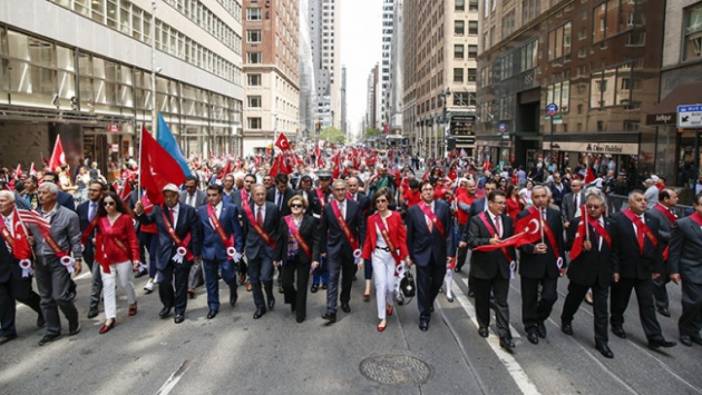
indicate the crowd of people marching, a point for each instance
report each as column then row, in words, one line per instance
column 302, row 225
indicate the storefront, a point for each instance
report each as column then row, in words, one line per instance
column 496, row 150
column 620, row 154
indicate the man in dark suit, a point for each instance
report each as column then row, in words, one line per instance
column 340, row 241
column 481, row 204
column 192, row 196
column 686, row 266
column 540, row 266
column 238, row 196
column 220, row 233
column 64, row 199
column 13, row 286
column 322, row 196
column 262, row 224
column 280, row 194
column 663, row 212
column 178, row 229
column 590, row 268
column 572, row 201
column 305, row 190
column 558, row 189
column 636, row 262
column 354, row 185
column 429, row 229
column 87, row 212
column 491, row 271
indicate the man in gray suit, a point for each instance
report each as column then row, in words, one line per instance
column 192, row 196
column 572, row 202
column 662, row 211
column 685, row 265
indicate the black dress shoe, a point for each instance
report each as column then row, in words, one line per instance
column 292, row 307
column 48, row 339
column 233, row 297
column 619, row 332
column 73, row 328
column 658, row 343
column 179, row 318
column 271, row 304
column 314, row 288
column 449, row 299
column 541, row 330
column 41, row 322
column 345, row 308
column 483, row 331
column 141, row 273
column 423, row 325
column 603, row 348
column 93, row 312
column 211, row 314
column 507, row 344
column 165, row 312
column 686, row 341
column 259, row 313
column 567, row 328
column 323, row 286
column 532, row 336
column 300, row 319
column 331, row 318
column 664, row 311
column 5, row 339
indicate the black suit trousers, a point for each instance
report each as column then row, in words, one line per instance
column 621, row 292
column 499, row 287
column 429, row 281
column 690, row 321
column 173, row 286
column 292, row 270
column 15, row 289
column 537, row 309
column 576, row 294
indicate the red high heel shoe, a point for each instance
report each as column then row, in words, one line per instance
column 389, row 310
column 106, row 328
column 132, row 310
column 381, row 328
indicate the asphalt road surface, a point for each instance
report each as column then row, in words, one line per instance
column 234, row 354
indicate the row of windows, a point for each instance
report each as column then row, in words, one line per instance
column 459, row 27
column 203, row 17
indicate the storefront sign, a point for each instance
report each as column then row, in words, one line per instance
column 660, row 119
column 113, row 128
column 690, row 116
column 114, row 148
column 596, row 148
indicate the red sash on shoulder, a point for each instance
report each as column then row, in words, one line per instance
column 386, row 236
column 18, row 244
column 296, row 234
column 642, row 228
column 89, row 230
column 320, row 196
column 671, row 220
column 261, row 232
column 432, row 217
column 343, row 225
column 696, row 218
column 492, row 231
column 548, row 232
column 212, row 216
column 175, row 239
column 580, row 236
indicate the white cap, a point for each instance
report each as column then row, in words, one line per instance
column 171, row 188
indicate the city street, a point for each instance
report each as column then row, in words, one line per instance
column 235, row 354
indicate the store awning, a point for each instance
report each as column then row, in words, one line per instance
column 665, row 112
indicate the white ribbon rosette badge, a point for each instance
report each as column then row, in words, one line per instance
column 180, row 254
column 67, row 261
column 26, row 266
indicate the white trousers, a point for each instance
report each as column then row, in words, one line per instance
column 122, row 273
column 384, row 279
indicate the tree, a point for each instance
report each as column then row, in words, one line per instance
column 332, row 135
column 372, row 132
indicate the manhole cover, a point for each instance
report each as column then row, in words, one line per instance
column 395, row 369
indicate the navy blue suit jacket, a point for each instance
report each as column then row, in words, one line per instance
column 423, row 245
column 66, row 200
column 212, row 246
column 332, row 240
column 256, row 247
column 83, row 210
column 187, row 222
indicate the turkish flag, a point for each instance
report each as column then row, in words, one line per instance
column 18, row 171
column 158, row 168
column 282, row 142
column 58, row 157
column 527, row 232
column 336, row 167
column 589, row 175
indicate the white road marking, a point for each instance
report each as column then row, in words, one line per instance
column 513, row 367
column 515, row 333
column 175, row 377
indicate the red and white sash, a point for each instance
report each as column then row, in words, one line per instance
column 492, row 232
column 229, row 242
column 549, row 234
column 386, row 236
column 581, row 232
column 344, row 226
column 641, row 229
column 295, row 231
column 671, row 220
column 252, row 220
column 321, row 197
column 182, row 250
column 426, row 209
column 696, row 218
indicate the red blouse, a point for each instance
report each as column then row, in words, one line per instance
column 514, row 207
column 116, row 243
column 396, row 230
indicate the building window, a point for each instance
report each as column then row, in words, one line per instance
column 473, row 27
column 472, row 51
column 254, row 58
column 473, row 5
column 253, row 14
column 559, row 93
column 459, row 51
column 459, row 28
column 613, row 87
column 528, row 55
column 615, row 16
column 693, row 32
column 472, row 75
column 254, row 79
column 458, row 75
column 253, row 36
column 559, row 42
column 254, row 101
column 460, row 5
column 254, row 123
column 530, row 9
column 508, row 24
column 464, row 99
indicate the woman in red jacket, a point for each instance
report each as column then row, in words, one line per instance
column 514, row 206
column 117, row 252
column 386, row 247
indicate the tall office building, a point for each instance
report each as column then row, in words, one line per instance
column 394, row 110
column 440, row 47
column 386, row 63
column 372, row 119
column 307, row 79
column 324, row 41
column 344, row 113
column 82, row 69
column 272, row 69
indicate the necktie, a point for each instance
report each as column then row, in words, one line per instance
column 171, row 214
column 280, row 201
column 498, row 226
column 91, row 214
column 259, row 216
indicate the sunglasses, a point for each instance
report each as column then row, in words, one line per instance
column 108, row 204
column 296, row 205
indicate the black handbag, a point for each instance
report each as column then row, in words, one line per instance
column 407, row 289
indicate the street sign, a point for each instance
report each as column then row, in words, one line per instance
column 557, row 120
column 690, row 116
column 502, row 127
column 551, row 108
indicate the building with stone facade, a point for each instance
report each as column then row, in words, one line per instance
column 324, row 29
column 440, row 49
column 272, row 72
column 82, row 69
